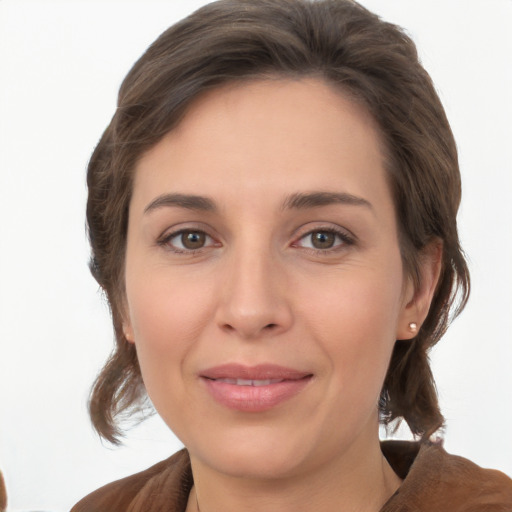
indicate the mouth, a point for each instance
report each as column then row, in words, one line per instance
column 250, row 382
column 253, row 388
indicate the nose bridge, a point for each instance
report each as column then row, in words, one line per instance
column 254, row 298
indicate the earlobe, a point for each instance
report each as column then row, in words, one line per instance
column 128, row 332
column 413, row 327
column 417, row 304
column 127, row 324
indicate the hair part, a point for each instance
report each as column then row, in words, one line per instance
column 351, row 49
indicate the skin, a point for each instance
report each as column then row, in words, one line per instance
column 258, row 291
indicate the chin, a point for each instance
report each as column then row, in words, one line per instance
column 256, row 453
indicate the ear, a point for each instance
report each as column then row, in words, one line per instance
column 127, row 323
column 128, row 331
column 418, row 296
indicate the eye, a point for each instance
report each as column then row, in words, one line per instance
column 324, row 240
column 187, row 240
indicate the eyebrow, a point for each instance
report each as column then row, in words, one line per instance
column 187, row 201
column 302, row 201
column 297, row 201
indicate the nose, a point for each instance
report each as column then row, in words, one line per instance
column 254, row 300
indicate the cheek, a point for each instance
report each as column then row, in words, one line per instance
column 166, row 316
column 166, row 303
column 354, row 319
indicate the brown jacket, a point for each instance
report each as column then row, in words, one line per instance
column 3, row 494
column 434, row 481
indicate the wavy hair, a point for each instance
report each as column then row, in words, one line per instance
column 353, row 50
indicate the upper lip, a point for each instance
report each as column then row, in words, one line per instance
column 258, row 372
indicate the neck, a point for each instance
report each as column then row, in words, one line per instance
column 356, row 482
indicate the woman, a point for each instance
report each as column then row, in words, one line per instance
column 272, row 215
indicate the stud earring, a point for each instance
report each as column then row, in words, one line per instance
column 413, row 326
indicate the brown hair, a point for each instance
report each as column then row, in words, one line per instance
column 352, row 49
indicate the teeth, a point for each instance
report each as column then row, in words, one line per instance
column 227, row 381
column 250, row 382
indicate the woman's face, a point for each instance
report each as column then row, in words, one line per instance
column 264, row 284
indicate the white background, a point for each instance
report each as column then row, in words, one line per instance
column 61, row 66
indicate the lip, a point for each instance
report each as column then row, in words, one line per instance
column 233, row 386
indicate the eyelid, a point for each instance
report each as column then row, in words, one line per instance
column 175, row 231
column 346, row 236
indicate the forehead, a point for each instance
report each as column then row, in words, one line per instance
column 279, row 108
column 268, row 134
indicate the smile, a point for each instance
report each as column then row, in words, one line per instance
column 253, row 389
column 250, row 382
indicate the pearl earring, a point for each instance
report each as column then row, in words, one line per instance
column 413, row 326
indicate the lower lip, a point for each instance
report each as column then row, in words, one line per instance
column 254, row 398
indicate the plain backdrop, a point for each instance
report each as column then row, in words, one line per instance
column 61, row 66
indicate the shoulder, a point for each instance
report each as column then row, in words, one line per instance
column 437, row 480
column 165, row 485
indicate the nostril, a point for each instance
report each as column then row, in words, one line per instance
column 249, row 330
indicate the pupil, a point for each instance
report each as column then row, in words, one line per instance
column 193, row 240
column 323, row 240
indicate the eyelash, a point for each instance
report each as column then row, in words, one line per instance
column 166, row 239
column 346, row 240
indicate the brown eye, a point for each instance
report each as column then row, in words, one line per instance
column 193, row 239
column 322, row 239
column 187, row 241
column 329, row 240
